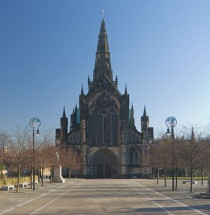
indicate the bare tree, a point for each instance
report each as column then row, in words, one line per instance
column 70, row 158
column 17, row 152
column 3, row 149
column 43, row 159
column 51, row 160
column 161, row 154
column 189, row 152
column 203, row 155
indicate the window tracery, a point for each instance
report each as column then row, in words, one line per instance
column 103, row 121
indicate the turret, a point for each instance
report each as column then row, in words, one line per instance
column 72, row 120
column 144, row 122
column 147, row 132
column 131, row 116
column 116, row 80
column 82, row 92
column 64, row 128
column 82, row 97
column 193, row 135
column 126, row 93
column 82, row 105
column 124, row 113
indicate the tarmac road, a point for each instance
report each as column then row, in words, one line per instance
column 105, row 196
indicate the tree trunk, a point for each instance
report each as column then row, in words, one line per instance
column 191, row 178
column 157, row 175
column 69, row 173
column 31, row 178
column 165, row 177
column 176, row 176
column 202, row 174
column 42, row 176
column 18, row 179
column 39, row 175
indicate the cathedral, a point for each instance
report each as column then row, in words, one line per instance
column 102, row 127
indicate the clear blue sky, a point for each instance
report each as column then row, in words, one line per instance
column 160, row 49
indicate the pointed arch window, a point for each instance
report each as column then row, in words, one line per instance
column 136, row 158
column 104, row 121
column 131, row 158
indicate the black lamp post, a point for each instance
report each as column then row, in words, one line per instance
column 2, row 160
column 171, row 123
column 34, row 123
column 3, row 149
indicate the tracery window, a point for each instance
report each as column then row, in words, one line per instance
column 103, row 121
column 133, row 157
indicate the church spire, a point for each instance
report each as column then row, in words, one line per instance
column 144, row 122
column 192, row 135
column 102, row 62
column 126, row 93
column 82, row 92
column 144, row 114
column 64, row 112
column 64, row 127
column 131, row 115
column 132, row 112
column 103, row 41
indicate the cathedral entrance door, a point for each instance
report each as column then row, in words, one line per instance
column 100, row 171
column 104, row 171
column 108, row 171
column 104, row 164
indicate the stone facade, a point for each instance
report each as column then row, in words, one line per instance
column 102, row 127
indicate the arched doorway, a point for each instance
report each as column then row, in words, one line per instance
column 104, row 164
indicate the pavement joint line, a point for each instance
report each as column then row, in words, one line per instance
column 56, row 198
column 154, row 202
column 8, row 210
column 167, row 197
column 24, row 203
column 31, row 200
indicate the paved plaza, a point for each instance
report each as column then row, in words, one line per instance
column 105, row 196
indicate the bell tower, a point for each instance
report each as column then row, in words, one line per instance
column 147, row 132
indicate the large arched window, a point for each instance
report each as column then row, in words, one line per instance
column 103, row 121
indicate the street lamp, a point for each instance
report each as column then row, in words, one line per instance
column 3, row 149
column 34, row 123
column 2, row 160
column 148, row 155
column 171, row 123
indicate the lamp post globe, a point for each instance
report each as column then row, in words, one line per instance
column 171, row 121
column 35, row 124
